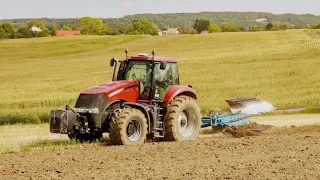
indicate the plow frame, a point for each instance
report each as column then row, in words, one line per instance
column 216, row 119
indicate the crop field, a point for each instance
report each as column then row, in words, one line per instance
column 40, row 74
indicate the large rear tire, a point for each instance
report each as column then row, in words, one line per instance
column 128, row 128
column 183, row 119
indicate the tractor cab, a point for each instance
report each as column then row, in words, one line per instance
column 155, row 74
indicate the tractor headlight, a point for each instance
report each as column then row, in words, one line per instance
column 85, row 110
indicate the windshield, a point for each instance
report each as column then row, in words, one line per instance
column 139, row 70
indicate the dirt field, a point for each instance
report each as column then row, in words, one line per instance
column 279, row 153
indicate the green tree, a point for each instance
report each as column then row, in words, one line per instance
column 53, row 31
column 187, row 30
column 201, row 24
column 37, row 23
column 24, row 32
column 276, row 27
column 229, row 27
column 66, row 28
column 144, row 26
column 165, row 28
column 269, row 26
column 240, row 28
column 214, row 28
column 283, row 26
column 75, row 28
column 315, row 26
column 9, row 29
column 124, row 29
column 107, row 30
column 308, row 26
column 89, row 25
column 3, row 34
column 255, row 29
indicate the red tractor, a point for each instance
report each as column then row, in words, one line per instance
column 144, row 100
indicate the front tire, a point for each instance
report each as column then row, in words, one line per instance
column 128, row 128
column 183, row 119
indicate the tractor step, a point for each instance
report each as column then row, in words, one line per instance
column 159, row 132
column 157, row 135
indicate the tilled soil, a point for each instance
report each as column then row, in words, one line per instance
column 286, row 153
column 248, row 129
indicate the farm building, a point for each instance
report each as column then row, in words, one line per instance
column 160, row 33
column 35, row 29
column 67, row 33
column 261, row 20
column 205, row 32
column 172, row 31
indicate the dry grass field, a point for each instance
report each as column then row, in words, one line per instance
column 39, row 74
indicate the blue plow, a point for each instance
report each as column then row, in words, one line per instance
column 216, row 119
column 241, row 111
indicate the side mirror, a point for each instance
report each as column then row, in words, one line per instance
column 163, row 65
column 112, row 62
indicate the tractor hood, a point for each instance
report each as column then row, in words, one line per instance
column 94, row 100
column 110, row 87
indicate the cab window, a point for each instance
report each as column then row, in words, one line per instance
column 138, row 70
column 164, row 78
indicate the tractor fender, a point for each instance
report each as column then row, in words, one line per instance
column 108, row 112
column 177, row 90
column 114, row 103
column 142, row 109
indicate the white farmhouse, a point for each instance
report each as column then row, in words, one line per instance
column 35, row 29
column 261, row 20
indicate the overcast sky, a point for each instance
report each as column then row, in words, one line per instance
column 119, row 8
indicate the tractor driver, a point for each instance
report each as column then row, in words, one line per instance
column 162, row 79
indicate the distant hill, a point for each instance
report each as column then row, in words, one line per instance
column 243, row 19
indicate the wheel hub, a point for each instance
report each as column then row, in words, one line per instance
column 131, row 129
column 134, row 130
column 186, row 124
column 183, row 122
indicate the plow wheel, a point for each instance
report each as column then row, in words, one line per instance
column 183, row 119
column 130, row 127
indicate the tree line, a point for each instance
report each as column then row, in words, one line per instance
column 86, row 25
column 96, row 26
column 8, row 31
column 313, row 26
column 164, row 21
column 204, row 25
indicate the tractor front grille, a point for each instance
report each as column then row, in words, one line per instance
column 90, row 101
